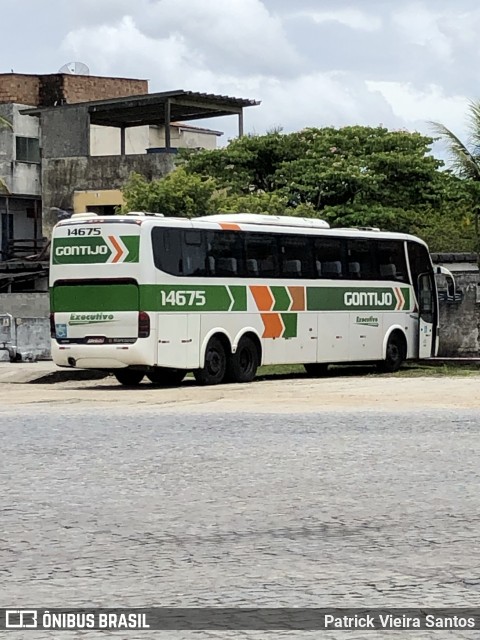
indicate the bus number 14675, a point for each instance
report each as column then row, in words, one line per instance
column 183, row 298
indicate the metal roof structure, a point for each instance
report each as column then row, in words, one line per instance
column 158, row 109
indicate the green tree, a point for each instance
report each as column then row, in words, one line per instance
column 178, row 194
column 353, row 176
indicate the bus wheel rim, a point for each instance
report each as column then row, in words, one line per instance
column 214, row 362
column 245, row 360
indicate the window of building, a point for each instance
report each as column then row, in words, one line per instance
column 27, row 149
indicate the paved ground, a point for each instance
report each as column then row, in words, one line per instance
column 136, row 497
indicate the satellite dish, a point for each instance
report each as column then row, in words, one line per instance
column 75, row 68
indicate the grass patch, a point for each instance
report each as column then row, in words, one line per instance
column 409, row 370
column 438, row 371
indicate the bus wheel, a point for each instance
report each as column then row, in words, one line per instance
column 164, row 377
column 215, row 364
column 129, row 377
column 395, row 355
column 243, row 364
column 316, row 369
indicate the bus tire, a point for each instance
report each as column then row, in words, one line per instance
column 129, row 377
column 316, row 369
column 395, row 353
column 215, row 364
column 243, row 364
column 164, row 377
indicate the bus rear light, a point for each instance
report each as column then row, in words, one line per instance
column 143, row 324
column 53, row 333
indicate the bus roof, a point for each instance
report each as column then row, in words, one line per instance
column 242, row 222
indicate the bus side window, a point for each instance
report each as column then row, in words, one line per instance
column 225, row 254
column 329, row 257
column 263, row 249
column 167, row 250
column 296, row 256
column 360, row 259
column 419, row 259
column 391, row 260
column 194, row 251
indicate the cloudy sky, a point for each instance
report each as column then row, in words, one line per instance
column 310, row 62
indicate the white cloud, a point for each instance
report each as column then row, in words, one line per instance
column 352, row 18
column 121, row 49
column 428, row 104
column 238, row 36
column 423, row 27
column 401, row 66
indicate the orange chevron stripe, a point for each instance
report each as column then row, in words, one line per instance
column 298, row 298
column 118, row 248
column 273, row 325
column 262, row 296
column 229, row 226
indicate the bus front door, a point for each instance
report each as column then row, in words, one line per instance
column 426, row 316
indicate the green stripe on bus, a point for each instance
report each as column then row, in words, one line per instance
column 290, row 321
column 239, row 294
column 282, row 299
column 219, row 298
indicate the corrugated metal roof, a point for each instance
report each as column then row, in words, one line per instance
column 151, row 108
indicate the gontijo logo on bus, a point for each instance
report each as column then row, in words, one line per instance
column 108, row 249
column 375, row 299
column 358, row 298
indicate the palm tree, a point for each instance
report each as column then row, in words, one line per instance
column 465, row 156
column 4, row 124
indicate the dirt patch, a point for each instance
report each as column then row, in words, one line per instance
column 353, row 393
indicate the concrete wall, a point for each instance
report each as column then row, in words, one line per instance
column 25, row 325
column 65, row 132
column 183, row 138
column 460, row 321
column 24, row 338
column 25, row 305
column 61, row 177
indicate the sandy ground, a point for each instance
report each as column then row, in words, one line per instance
column 355, row 393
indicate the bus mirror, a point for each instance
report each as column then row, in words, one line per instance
column 451, row 288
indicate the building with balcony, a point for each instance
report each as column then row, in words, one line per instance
column 21, row 150
column 90, row 149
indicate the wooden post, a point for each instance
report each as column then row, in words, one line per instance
column 240, row 124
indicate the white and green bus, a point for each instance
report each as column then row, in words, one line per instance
column 145, row 295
